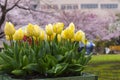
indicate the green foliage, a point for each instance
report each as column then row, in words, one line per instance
column 48, row 58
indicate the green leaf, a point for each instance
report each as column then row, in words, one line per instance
column 47, row 47
column 18, row 72
column 25, row 60
column 31, row 67
column 77, row 70
column 59, row 57
column 5, row 45
column 4, row 66
column 6, row 58
column 87, row 58
column 58, row 69
column 76, row 67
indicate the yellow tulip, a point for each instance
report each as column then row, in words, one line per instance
column 79, row 36
column 58, row 27
column 59, row 37
column 49, row 29
column 30, row 30
column 7, row 37
column 25, row 32
column 36, row 31
column 24, row 29
column 9, row 29
column 63, row 35
column 69, row 33
column 72, row 26
column 19, row 34
column 42, row 34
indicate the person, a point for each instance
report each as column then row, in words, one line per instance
column 89, row 46
column 107, row 50
column 81, row 46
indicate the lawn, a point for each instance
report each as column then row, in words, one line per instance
column 107, row 67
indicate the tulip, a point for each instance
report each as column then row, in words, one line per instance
column 58, row 27
column 9, row 29
column 30, row 30
column 80, row 36
column 49, row 29
column 42, row 34
column 59, row 37
column 25, row 32
column 36, row 31
column 34, row 38
column 69, row 33
column 84, row 39
column 19, row 34
column 27, row 39
column 24, row 29
column 63, row 35
column 72, row 26
column 7, row 37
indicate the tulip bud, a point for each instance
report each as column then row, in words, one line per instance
column 69, row 33
column 49, row 29
column 80, row 36
column 58, row 27
column 72, row 26
column 36, row 31
column 9, row 29
column 63, row 35
column 7, row 37
column 30, row 30
column 42, row 34
column 19, row 34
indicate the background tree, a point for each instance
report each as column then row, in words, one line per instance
column 95, row 25
column 4, row 9
column 20, row 12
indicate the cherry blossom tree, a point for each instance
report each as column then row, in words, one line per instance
column 20, row 12
column 4, row 9
column 96, row 26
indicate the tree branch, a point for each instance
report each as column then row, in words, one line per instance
column 21, row 7
column 5, row 4
column 13, row 6
column 24, row 8
column 2, row 6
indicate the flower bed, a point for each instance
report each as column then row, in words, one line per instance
column 48, row 53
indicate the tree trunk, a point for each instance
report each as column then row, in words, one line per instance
column 2, row 19
column 1, row 23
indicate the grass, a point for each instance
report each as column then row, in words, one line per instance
column 107, row 67
column 104, row 58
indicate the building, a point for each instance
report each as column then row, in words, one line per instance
column 109, row 5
